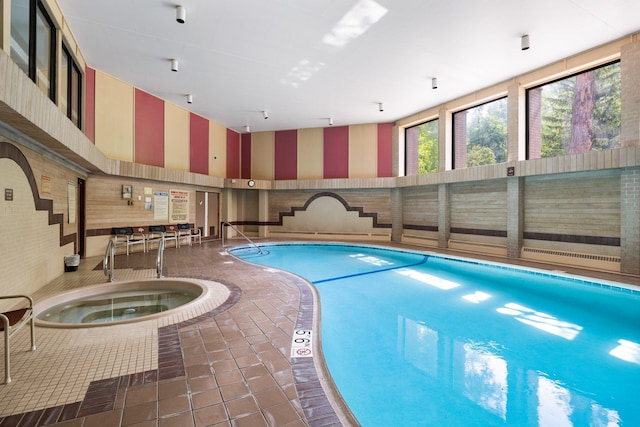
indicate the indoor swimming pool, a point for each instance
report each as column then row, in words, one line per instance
column 421, row 339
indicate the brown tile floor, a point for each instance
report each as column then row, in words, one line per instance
column 227, row 367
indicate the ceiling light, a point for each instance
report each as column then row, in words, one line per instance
column 330, row 121
column 174, row 65
column 524, row 42
column 181, row 14
column 247, row 128
column 434, row 83
column 265, row 114
column 380, row 107
column 190, row 99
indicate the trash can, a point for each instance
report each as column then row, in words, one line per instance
column 72, row 262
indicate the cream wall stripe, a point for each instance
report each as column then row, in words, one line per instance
column 263, row 155
column 114, row 117
column 310, row 153
column 176, row 137
column 217, row 150
column 363, row 151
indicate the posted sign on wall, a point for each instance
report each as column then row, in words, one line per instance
column 178, row 206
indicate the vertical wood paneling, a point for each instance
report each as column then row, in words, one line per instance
column 363, row 151
column 176, row 137
column 198, row 144
column 245, row 156
column 90, row 104
column 336, row 152
column 262, row 155
column 233, row 154
column 217, row 150
column 310, row 164
column 114, row 117
column 385, row 167
column 286, row 154
column 149, row 129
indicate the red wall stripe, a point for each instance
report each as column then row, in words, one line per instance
column 336, row 152
column 233, row 154
column 198, row 144
column 245, row 159
column 286, row 153
column 90, row 104
column 385, row 132
column 148, row 129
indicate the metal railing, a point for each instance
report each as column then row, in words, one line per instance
column 240, row 233
column 109, row 256
column 160, row 259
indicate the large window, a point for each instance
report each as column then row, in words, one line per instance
column 480, row 135
column 45, row 64
column 577, row 114
column 33, row 43
column 20, row 33
column 70, row 87
column 421, row 148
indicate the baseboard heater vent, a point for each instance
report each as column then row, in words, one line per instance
column 592, row 257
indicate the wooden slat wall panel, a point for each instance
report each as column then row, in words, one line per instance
column 420, row 206
column 373, row 201
column 106, row 208
column 479, row 205
column 578, row 205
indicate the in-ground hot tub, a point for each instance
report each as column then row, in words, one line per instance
column 119, row 302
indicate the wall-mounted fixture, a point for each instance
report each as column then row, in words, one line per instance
column 174, row 65
column 434, row 83
column 126, row 191
column 181, row 14
column 524, row 42
column 189, row 99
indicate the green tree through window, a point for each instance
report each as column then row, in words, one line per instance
column 421, row 144
column 577, row 114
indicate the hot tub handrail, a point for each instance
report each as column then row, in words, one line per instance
column 109, row 256
column 160, row 259
column 228, row 224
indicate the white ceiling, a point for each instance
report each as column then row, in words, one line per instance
column 304, row 61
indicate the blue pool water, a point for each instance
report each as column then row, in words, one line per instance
column 416, row 340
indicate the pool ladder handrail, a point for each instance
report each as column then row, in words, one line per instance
column 228, row 224
column 160, row 259
column 109, row 256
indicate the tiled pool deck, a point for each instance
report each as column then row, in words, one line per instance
column 224, row 365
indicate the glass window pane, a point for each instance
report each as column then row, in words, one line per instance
column 576, row 114
column 421, row 148
column 480, row 135
column 44, row 36
column 64, row 82
column 20, row 34
column 75, row 95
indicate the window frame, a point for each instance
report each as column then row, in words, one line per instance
column 453, row 130
column 406, row 150
column 548, row 82
column 34, row 7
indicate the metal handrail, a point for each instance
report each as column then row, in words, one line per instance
column 242, row 234
column 160, row 259
column 109, row 256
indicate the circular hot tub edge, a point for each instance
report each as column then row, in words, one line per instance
column 199, row 287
